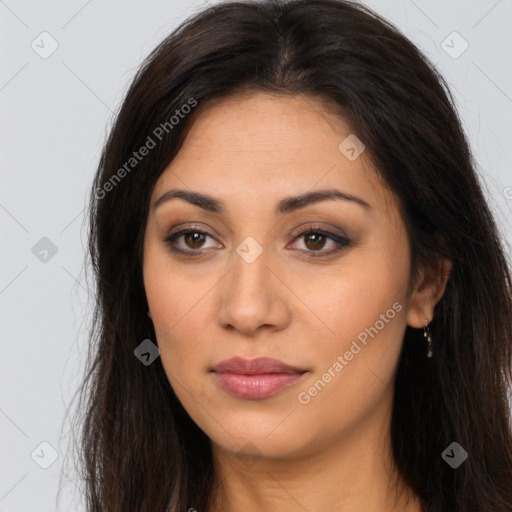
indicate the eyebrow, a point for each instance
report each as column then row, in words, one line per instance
column 286, row 205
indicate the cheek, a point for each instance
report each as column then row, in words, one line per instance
column 356, row 294
column 175, row 309
column 364, row 305
column 180, row 314
column 354, row 367
column 171, row 296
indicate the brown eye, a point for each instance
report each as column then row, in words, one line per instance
column 193, row 240
column 315, row 241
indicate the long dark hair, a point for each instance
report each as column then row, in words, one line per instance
column 139, row 450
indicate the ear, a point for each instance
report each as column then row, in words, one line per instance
column 429, row 289
column 149, row 314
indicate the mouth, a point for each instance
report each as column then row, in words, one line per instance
column 255, row 379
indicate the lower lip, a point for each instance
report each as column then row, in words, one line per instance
column 256, row 386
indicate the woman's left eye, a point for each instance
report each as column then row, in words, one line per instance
column 315, row 241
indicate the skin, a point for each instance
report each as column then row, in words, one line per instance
column 332, row 453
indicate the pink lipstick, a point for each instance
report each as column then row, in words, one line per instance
column 255, row 378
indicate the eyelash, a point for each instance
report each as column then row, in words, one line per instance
column 342, row 242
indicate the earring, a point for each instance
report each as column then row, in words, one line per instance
column 426, row 334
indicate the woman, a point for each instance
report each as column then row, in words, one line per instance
column 302, row 299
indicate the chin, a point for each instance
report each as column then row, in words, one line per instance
column 267, row 435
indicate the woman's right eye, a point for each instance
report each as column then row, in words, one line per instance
column 193, row 238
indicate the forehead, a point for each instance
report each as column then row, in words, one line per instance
column 262, row 124
column 269, row 146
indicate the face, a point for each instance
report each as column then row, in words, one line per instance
column 319, row 285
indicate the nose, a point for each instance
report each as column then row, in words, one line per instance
column 252, row 297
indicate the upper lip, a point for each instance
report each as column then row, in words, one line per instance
column 255, row 366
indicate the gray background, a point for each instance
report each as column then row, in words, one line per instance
column 55, row 113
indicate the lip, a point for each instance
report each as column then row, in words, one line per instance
column 257, row 378
column 257, row 366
